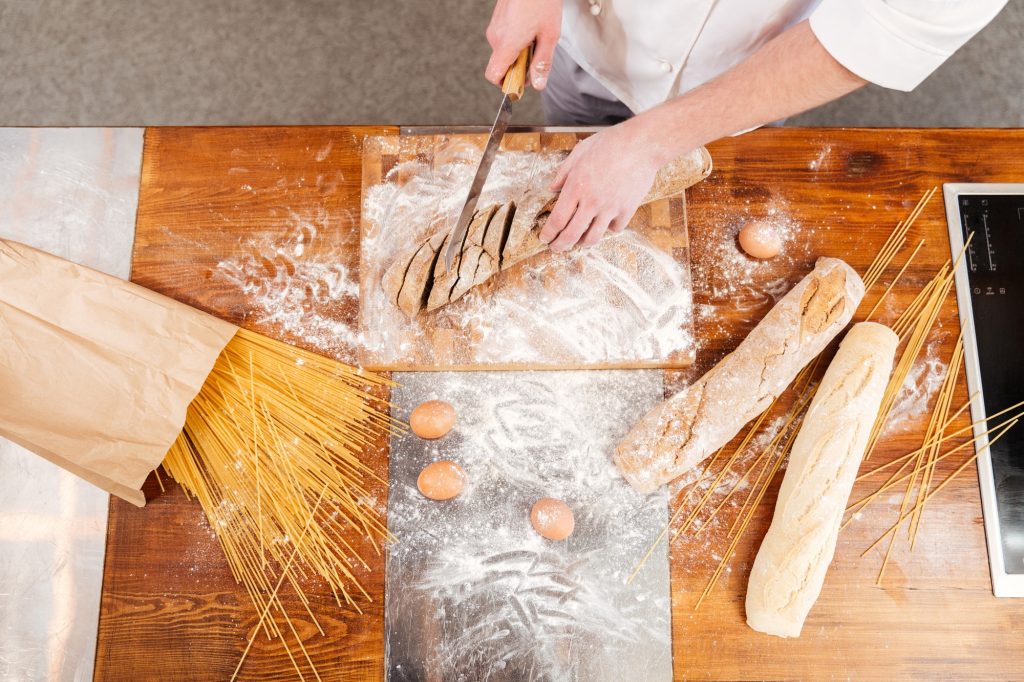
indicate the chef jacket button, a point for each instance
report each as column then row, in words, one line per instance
column 666, row 67
column 595, row 7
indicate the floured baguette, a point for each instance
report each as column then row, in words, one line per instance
column 791, row 564
column 689, row 426
column 499, row 237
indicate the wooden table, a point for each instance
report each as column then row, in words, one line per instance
column 171, row 611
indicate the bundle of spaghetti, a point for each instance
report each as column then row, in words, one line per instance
column 1002, row 430
column 924, row 460
column 913, row 326
column 940, row 415
column 945, row 435
column 894, row 243
column 895, row 280
column 272, row 450
column 773, row 457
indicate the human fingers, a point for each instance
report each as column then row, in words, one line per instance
column 579, row 224
column 543, row 56
column 563, row 172
column 563, row 211
column 596, row 230
column 502, row 56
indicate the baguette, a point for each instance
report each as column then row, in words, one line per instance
column 689, row 426
column 791, row 564
column 499, row 237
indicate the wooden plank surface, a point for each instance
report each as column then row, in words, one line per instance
column 259, row 226
column 934, row 617
column 170, row 609
column 508, row 308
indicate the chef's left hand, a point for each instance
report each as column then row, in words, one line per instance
column 602, row 183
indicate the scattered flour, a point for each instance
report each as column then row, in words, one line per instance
column 726, row 281
column 697, row 549
column 915, row 396
column 725, row 274
column 294, row 282
column 621, row 301
column 816, row 162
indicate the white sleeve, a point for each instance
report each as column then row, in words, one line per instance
column 898, row 43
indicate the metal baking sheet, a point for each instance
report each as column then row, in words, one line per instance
column 473, row 592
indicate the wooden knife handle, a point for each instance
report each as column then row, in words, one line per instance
column 515, row 78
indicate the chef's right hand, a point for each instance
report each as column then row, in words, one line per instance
column 514, row 25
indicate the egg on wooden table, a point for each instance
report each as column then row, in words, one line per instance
column 433, row 419
column 760, row 240
column 552, row 519
column 441, row 480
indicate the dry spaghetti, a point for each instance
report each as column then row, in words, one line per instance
column 272, row 449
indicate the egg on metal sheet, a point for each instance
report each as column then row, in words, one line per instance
column 552, row 519
column 441, row 480
column 433, row 419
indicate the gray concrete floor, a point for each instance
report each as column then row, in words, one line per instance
column 194, row 62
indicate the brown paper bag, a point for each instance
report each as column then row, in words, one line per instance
column 96, row 373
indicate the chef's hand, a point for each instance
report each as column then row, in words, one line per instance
column 514, row 25
column 601, row 184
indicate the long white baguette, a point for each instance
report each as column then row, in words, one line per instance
column 686, row 428
column 790, row 567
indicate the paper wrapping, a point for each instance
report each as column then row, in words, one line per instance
column 96, row 373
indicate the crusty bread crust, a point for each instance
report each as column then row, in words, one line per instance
column 691, row 425
column 791, row 564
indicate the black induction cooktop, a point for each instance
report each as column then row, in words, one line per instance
column 990, row 293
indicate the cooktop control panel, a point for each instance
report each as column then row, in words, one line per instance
column 990, row 294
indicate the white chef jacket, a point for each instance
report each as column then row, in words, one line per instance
column 647, row 51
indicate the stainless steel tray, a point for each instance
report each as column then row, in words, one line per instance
column 473, row 593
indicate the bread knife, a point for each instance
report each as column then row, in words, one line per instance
column 513, row 87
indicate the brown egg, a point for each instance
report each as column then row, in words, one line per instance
column 432, row 419
column 441, row 480
column 552, row 518
column 760, row 240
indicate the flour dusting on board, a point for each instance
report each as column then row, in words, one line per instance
column 473, row 591
column 292, row 280
column 624, row 300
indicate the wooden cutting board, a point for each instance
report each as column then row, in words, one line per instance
column 626, row 303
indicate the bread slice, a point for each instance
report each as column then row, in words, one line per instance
column 418, row 280
column 464, row 264
column 523, row 239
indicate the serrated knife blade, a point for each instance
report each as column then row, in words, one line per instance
column 490, row 150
